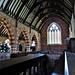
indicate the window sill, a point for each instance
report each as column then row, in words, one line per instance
column 54, row 44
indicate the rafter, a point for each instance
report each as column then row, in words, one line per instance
column 57, row 9
column 6, row 5
column 30, row 11
column 24, row 2
column 1, row 28
column 39, row 10
column 35, row 16
column 57, row 2
column 42, row 15
column 49, row 17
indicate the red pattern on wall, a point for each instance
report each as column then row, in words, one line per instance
column 26, row 40
column 5, row 23
column 64, row 33
column 9, row 24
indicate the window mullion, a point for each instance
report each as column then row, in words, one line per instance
column 50, row 37
column 55, row 36
column 58, row 36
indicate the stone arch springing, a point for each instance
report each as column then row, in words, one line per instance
column 5, row 23
column 26, row 40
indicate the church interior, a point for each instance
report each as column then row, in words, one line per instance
column 37, row 37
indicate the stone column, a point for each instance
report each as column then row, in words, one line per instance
column 16, row 41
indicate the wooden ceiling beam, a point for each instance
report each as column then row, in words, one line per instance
column 6, row 5
column 55, row 1
column 35, row 16
column 24, row 2
column 41, row 10
column 1, row 28
column 30, row 11
column 41, row 16
column 67, row 22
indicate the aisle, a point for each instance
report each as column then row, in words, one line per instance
column 71, row 63
column 59, row 68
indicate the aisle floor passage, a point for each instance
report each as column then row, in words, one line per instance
column 59, row 68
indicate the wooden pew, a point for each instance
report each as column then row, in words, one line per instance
column 15, row 66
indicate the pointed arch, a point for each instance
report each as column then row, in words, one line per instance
column 26, row 40
column 34, row 43
column 35, row 39
column 11, row 37
column 54, row 34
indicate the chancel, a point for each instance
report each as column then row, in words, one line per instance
column 37, row 37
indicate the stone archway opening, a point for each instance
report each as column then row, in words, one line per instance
column 5, row 33
column 21, row 43
column 34, row 43
column 24, row 41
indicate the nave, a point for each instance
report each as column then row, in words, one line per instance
column 34, row 35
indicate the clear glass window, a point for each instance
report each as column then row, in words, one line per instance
column 54, row 34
